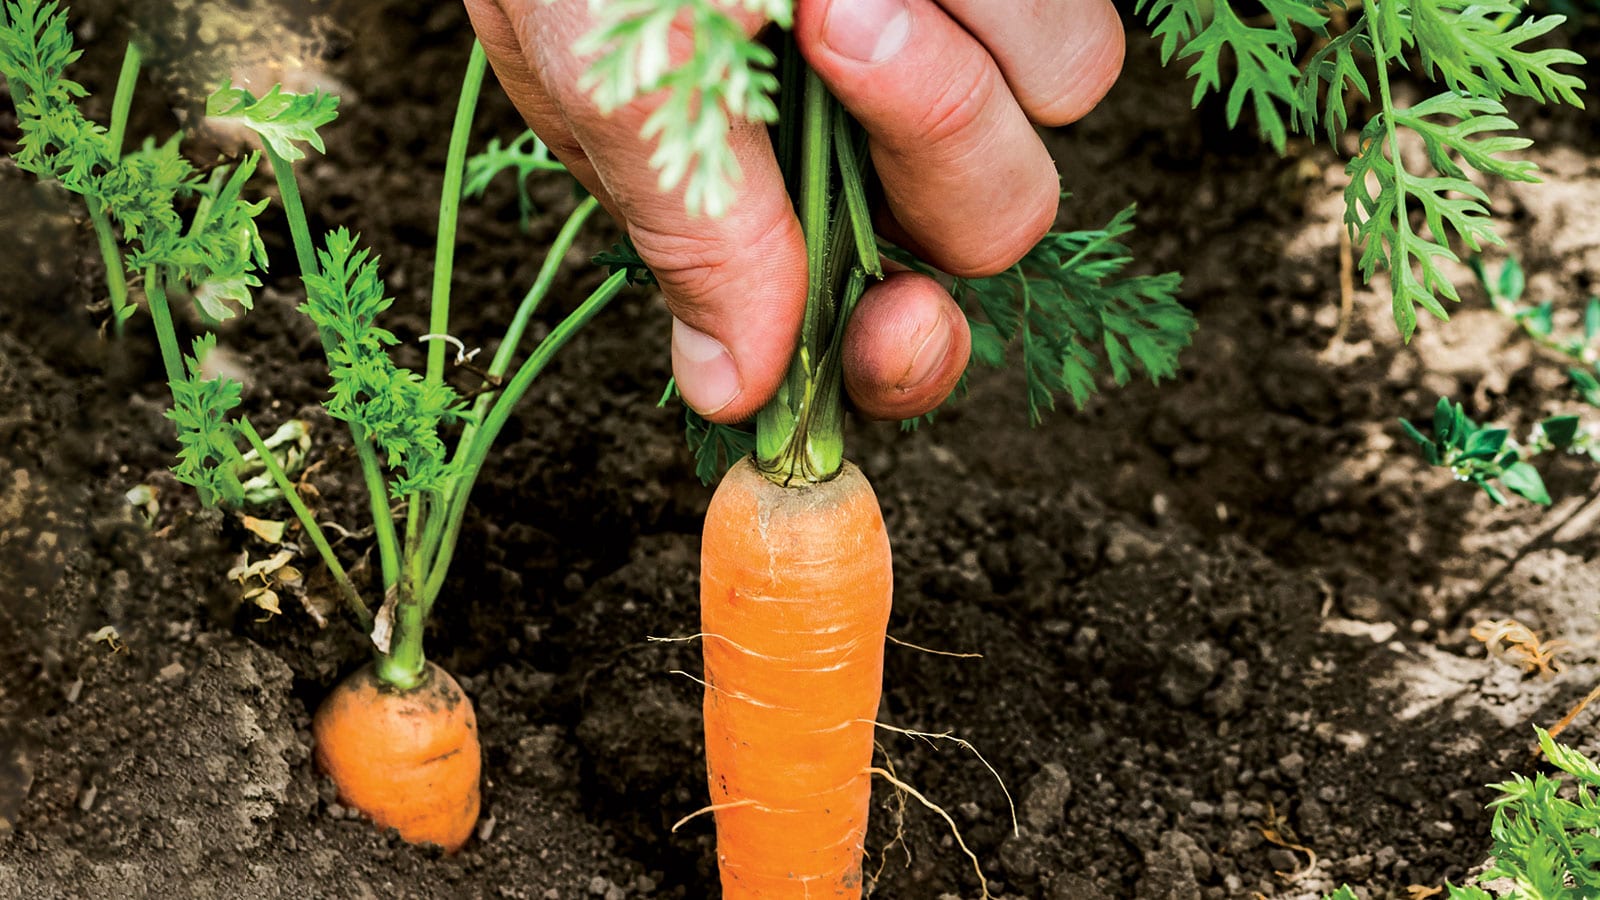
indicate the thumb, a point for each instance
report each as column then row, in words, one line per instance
column 736, row 287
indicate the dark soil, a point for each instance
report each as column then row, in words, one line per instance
column 1223, row 621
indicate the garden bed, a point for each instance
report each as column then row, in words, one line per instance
column 1223, row 622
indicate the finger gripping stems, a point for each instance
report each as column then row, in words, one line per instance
column 799, row 579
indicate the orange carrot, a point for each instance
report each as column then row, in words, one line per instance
column 408, row 760
column 795, row 591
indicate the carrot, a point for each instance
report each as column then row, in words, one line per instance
column 795, row 592
column 407, row 759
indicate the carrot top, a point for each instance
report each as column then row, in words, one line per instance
column 800, row 433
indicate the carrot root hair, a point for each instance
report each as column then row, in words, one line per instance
column 886, row 775
column 713, row 808
column 899, row 824
column 930, row 737
column 929, row 650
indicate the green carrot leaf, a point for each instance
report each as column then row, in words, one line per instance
column 1265, row 72
column 57, row 141
column 728, row 75
column 523, row 156
column 279, row 117
column 397, row 408
column 140, row 192
column 223, row 243
column 1472, row 50
column 716, row 447
column 624, row 257
column 206, row 435
column 1334, row 71
column 1383, row 194
column 1075, row 312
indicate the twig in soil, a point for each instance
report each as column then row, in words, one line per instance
column 1511, row 641
column 1274, row 830
column 1573, row 714
column 895, row 640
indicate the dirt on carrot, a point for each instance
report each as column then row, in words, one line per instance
column 1150, row 589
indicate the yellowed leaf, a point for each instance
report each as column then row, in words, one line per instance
column 261, row 568
column 269, row 530
column 265, row 598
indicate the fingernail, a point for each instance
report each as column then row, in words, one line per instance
column 707, row 377
column 869, row 31
column 928, row 357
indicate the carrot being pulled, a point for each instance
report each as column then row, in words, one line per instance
column 796, row 578
column 795, row 592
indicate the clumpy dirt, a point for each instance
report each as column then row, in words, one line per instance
column 1223, row 622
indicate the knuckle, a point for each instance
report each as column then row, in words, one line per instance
column 958, row 105
column 562, row 143
column 1071, row 91
column 698, row 265
column 1001, row 249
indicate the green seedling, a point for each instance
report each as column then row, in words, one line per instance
column 1546, row 835
column 420, row 444
column 1483, row 455
column 1299, row 66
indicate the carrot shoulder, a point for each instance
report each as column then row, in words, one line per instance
column 408, row 760
column 795, row 592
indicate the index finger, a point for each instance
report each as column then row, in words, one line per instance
column 735, row 284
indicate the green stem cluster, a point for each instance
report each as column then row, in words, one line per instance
column 414, row 563
column 800, row 433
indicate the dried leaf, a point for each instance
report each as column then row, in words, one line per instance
column 1510, row 641
column 1270, row 831
column 262, row 568
column 383, row 622
column 109, row 636
column 265, row 598
column 269, row 530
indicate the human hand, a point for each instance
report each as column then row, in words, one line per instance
column 948, row 92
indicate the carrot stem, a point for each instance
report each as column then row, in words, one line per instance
column 499, row 413
column 122, row 100
column 450, row 207
column 800, row 433
column 116, row 275
column 161, row 316
column 294, row 209
column 434, row 530
column 305, row 254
